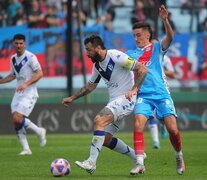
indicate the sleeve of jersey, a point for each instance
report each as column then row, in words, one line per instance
column 125, row 61
column 35, row 63
column 95, row 77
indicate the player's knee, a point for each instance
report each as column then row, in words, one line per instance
column 107, row 140
column 100, row 122
column 173, row 131
column 17, row 118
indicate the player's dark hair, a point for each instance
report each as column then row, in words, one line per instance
column 143, row 25
column 19, row 37
column 95, row 40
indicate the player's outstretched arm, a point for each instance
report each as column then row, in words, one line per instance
column 88, row 88
column 7, row 79
column 168, row 29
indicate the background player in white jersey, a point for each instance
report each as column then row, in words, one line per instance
column 26, row 69
column 115, row 68
column 153, row 126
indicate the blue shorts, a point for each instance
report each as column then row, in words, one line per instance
column 164, row 107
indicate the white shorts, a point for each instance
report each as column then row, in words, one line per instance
column 23, row 103
column 120, row 107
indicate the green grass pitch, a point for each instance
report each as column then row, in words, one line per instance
column 160, row 164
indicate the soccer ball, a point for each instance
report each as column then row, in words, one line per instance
column 60, row 167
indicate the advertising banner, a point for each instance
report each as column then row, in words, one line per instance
column 79, row 118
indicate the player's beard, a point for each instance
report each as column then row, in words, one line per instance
column 96, row 58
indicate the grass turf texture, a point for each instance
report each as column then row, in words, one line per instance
column 160, row 164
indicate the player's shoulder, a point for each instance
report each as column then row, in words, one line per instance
column 114, row 51
column 30, row 54
column 130, row 51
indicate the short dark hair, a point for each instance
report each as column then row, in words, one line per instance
column 143, row 25
column 19, row 37
column 95, row 40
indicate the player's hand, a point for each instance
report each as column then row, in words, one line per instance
column 21, row 87
column 66, row 101
column 129, row 95
column 163, row 12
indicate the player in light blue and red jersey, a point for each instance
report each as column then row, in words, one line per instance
column 154, row 93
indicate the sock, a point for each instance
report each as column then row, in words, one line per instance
column 21, row 134
column 96, row 145
column 176, row 141
column 119, row 146
column 154, row 130
column 139, row 143
column 30, row 125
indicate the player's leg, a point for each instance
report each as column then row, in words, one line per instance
column 25, row 106
column 104, row 117
column 21, row 133
column 119, row 112
column 143, row 111
column 175, row 139
column 40, row 132
column 139, row 124
column 154, row 132
column 167, row 110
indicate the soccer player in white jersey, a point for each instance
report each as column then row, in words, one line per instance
column 26, row 69
column 115, row 68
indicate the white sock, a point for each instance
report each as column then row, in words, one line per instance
column 119, row 146
column 30, row 125
column 21, row 134
column 96, row 145
column 140, row 159
column 154, row 130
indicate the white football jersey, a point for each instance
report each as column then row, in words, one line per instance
column 116, row 71
column 24, row 68
column 167, row 64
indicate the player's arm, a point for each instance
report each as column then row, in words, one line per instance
column 38, row 75
column 8, row 78
column 168, row 67
column 88, row 88
column 168, row 29
column 141, row 71
column 170, row 74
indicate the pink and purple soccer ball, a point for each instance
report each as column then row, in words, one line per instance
column 60, row 167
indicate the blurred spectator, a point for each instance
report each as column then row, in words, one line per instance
column 14, row 5
column 20, row 18
column 149, row 10
column 3, row 17
column 203, row 26
column 75, row 14
column 114, row 3
column 137, row 12
column 109, row 18
column 51, row 17
column 99, row 5
column 35, row 16
column 62, row 14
